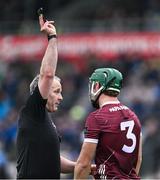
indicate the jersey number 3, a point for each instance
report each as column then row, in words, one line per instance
column 130, row 135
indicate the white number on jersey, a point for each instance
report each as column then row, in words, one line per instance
column 130, row 135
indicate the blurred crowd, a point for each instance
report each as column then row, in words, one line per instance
column 141, row 92
column 84, row 15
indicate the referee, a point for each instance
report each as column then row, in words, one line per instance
column 38, row 145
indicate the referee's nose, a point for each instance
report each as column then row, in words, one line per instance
column 60, row 97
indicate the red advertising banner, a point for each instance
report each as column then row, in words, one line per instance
column 75, row 46
column 22, row 47
column 110, row 45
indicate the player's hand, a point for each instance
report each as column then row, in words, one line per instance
column 47, row 26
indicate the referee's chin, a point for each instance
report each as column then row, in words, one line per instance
column 52, row 110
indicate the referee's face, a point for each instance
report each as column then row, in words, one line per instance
column 55, row 96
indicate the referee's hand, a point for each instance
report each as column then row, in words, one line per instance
column 47, row 26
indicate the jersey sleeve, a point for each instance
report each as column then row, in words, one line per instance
column 92, row 130
column 35, row 106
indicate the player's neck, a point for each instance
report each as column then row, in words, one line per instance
column 107, row 100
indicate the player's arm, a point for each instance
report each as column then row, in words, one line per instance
column 83, row 164
column 67, row 166
column 49, row 61
column 139, row 161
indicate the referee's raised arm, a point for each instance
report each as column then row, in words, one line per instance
column 49, row 61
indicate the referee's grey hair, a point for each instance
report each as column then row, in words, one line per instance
column 34, row 82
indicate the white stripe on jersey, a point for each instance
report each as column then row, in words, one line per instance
column 91, row 140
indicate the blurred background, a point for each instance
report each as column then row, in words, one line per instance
column 121, row 34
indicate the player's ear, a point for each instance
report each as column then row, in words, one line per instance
column 96, row 86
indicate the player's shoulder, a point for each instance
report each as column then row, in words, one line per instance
column 97, row 114
column 92, row 114
column 132, row 115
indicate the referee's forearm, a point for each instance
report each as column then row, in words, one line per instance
column 49, row 62
column 67, row 166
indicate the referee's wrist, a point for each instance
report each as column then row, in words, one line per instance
column 51, row 36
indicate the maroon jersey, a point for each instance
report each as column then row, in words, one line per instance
column 117, row 131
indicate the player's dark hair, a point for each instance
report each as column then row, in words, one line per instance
column 111, row 93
